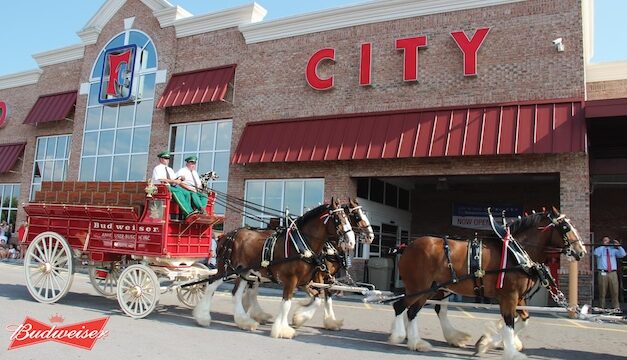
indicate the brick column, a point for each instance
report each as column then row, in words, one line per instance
column 575, row 202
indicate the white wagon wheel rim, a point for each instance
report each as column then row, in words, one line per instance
column 107, row 286
column 138, row 291
column 49, row 267
column 191, row 295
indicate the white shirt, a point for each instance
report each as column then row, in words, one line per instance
column 189, row 177
column 159, row 172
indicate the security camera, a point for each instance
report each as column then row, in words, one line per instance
column 559, row 46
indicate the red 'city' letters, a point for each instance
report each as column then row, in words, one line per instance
column 410, row 47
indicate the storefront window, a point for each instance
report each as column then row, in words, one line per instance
column 116, row 137
column 210, row 141
column 297, row 195
column 51, row 161
column 9, row 198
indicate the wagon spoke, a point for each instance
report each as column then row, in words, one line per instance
column 40, row 252
column 126, row 284
column 36, row 258
column 60, row 261
column 53, row 252
column 41, row 276
column 53, row 282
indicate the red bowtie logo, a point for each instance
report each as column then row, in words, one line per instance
column 82, row 335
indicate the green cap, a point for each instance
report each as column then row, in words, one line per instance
column 191, row 158
column 164, row 154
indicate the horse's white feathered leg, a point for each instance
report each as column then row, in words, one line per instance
column 510, row 352
column 414, row 342
column 240, row 316
column 305, row 313
column 202, row 311
column 492, row 338
column 254, row 309
column 453, row 336
column 399, row 334
column 330, row 322
column 281, row 328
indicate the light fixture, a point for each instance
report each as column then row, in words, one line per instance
column 559, row 45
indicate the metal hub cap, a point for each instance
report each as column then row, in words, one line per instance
column 136, row 291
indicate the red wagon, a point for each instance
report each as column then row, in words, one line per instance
column 128, row 235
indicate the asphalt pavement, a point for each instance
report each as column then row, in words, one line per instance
column 171, row 332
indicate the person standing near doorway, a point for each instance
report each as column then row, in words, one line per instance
column 606, row 267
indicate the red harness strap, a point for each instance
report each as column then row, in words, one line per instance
column 501, row 277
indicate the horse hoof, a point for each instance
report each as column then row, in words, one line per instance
column 396, row 339
column 299, row 319
column 285, row 332
column 458, row 339
column 249, row 325
column 420, row 345
column 333, row 324
column 482, row 345
column 203, row 320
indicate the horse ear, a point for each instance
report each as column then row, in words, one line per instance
column 556, row 212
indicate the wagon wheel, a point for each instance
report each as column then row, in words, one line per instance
column 105, row 286
column 138, row 291
column 191, row 295
column 49, row 267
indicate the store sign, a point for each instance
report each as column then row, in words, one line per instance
column 118, row 69
column 410, row 46
column 4, row 113
column 473, row 216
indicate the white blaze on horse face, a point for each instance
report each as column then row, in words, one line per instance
column 367, row 226
column 349, row 236
column 580, row 248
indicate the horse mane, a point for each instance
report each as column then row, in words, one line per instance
column 525, row 223
column 315, row 212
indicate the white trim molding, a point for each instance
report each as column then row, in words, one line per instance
column 61, row 55
column 167, row 17
column 162, row 9
column 234, row 17
column 20, row 79
column 587, row 20
column 346, row 16
column 616, row 70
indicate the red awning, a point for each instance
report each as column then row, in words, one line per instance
column 490, row 130
column 9, row 154
column 52, row 107
column 196, row 87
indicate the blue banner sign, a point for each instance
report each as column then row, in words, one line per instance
column 474, row 216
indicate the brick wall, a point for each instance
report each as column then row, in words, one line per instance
column 516, row 63
column 606, row 90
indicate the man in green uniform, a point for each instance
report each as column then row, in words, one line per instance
column 163, row 174
column 191, row 182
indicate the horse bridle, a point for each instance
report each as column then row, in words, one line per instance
column 563, row 227
column 341, row 228
column 355, row 214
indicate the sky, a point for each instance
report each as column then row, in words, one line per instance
column 33, row 26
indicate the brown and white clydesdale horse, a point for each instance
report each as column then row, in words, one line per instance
column 239, row 253
column 334, row 258
column 334, row 263
column 424, row 265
